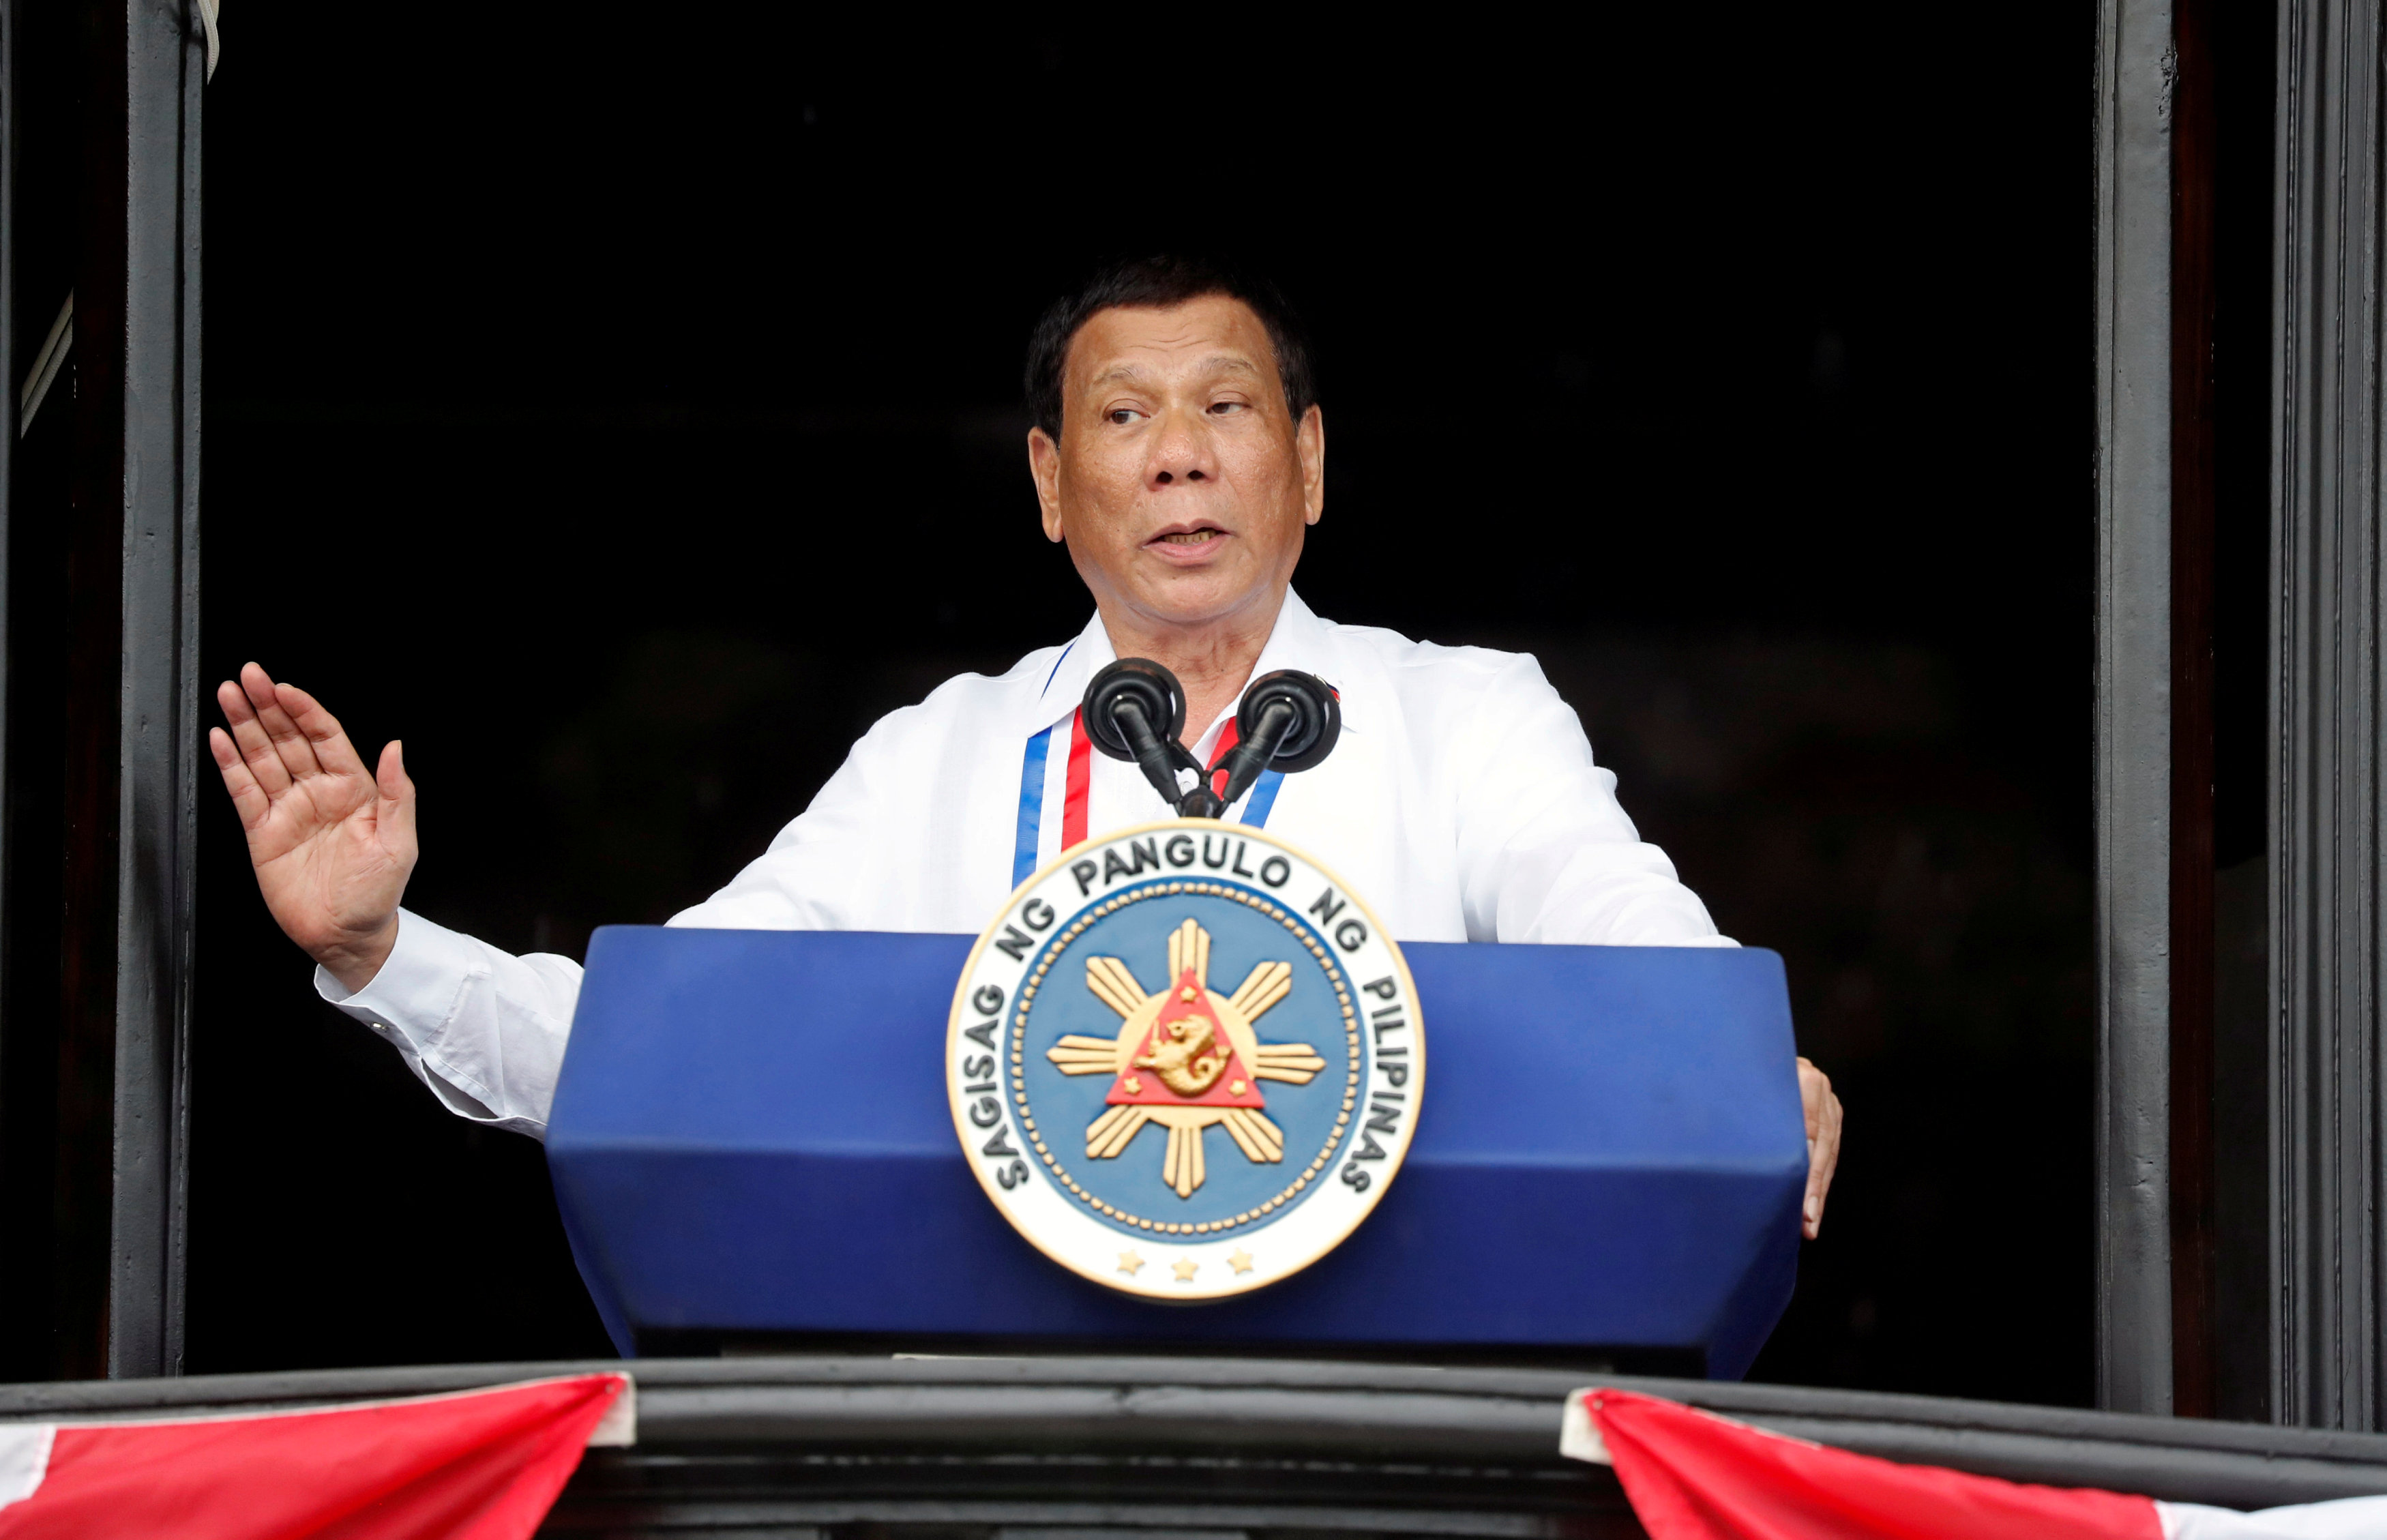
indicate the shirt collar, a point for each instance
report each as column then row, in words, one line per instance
column 1299, row 639
column 1065, row 684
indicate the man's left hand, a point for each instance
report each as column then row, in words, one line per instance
column 1823, row 1140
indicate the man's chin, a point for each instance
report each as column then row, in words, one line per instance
column 1199, row 596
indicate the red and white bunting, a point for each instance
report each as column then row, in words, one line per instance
column 473, row 1465
column 1692, row 1475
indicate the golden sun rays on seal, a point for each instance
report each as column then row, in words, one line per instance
column 1186, row 1058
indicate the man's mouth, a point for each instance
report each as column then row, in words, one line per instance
column 1196, row 535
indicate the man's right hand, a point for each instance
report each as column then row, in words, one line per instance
column 332, row 845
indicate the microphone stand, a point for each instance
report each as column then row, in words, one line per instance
column 1154, row 757
column 1251, row 755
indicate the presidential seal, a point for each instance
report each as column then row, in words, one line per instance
column 1185, row 1061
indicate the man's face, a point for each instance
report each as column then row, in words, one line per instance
column 1181, row 483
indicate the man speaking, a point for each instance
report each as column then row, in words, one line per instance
column 1178, row 451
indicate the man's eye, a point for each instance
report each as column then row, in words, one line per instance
column 1222, row 407
column 1122, row 415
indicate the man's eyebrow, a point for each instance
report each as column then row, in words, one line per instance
column 1214, row 363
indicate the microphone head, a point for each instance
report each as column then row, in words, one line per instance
column 1317, row 717
column 1151, row 687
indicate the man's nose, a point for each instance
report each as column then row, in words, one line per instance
column 1182, row 452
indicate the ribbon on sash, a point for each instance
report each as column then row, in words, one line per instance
column 1080, row 775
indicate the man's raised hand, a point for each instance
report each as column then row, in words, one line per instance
column 332, row 845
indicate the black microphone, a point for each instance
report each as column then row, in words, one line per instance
column 1125, row 707
column 1288, row 721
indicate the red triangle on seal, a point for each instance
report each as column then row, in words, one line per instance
column 1187, row 1059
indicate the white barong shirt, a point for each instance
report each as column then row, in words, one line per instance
column 1461, row 803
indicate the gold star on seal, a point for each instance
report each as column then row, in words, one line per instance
column 1129, row 1262
column 1185, row 1271
column 1241, row 1261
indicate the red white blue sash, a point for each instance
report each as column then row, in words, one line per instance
column 1080, row 776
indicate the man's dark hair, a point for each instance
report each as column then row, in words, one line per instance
column 1158, row 284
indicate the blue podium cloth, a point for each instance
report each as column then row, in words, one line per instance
column 751, row 1135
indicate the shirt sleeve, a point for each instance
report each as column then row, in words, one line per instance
column 484, row 1029
column 1545, row 852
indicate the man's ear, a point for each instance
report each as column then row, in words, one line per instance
column 1044, row 469
column 1309, row 442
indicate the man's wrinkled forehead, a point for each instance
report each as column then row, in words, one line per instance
column 1208, row 338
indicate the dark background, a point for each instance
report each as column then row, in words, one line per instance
column 622, row 406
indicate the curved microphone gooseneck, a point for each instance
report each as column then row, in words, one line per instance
column 1126, row 707
column 1288, row 721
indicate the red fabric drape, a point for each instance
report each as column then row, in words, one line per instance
column 484, row 1464
column 1694, row 1476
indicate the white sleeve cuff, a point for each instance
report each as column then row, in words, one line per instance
column 413, row 999
column 424, row 968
